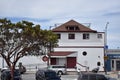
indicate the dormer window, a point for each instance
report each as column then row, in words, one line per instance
column 72, row 27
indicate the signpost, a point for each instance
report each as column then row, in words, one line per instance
column 45, row 58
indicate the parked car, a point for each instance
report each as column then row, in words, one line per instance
column 59, row 69
column 2, row 69
column 22, row 69
column 46, row 75
column 93, row 76
column 95, row 70
column 5, row 75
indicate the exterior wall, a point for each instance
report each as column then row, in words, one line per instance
column 93, row 56
column 78, row 41
column 94, row 47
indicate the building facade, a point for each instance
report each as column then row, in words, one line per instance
column 113, row 61
column 79, row 46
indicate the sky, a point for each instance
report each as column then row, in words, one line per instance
column 49, row 12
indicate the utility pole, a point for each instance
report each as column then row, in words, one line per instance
column 105, row 49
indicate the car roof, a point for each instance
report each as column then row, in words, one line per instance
column 90, row 73
column 46, row 70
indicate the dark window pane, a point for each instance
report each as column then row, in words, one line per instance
column 101, row 77
column 85, row 77
column 59, row 36
column 71, row 36
column 85, row 36
column 84, row 53
column 92, row 77
column 98, row 63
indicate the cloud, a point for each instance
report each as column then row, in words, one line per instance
column 53, row 8
column 49, row 12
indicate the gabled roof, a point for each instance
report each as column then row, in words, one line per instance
column 79, row 27
column 61, row 53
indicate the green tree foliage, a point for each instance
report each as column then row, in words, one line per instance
column 23, row 38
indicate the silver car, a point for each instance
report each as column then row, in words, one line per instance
column 59, row 69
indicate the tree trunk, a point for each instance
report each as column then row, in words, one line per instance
column 12, row 68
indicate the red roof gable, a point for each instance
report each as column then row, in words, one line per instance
column 78, row 27
column 61, row 53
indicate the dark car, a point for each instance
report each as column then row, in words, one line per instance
column 93, row 76
column 5, row 75
column 46, row 75
column 22, row 69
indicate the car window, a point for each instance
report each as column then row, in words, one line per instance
column 16, row 73
column 92, row 77
column 50, row 74
column 101, row 77
column 58, row 66
column 84, row 77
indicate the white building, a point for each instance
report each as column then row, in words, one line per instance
column 79, row 46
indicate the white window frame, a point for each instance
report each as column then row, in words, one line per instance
column 86, row 36
column 99, row 36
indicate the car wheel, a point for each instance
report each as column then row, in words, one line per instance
column 60, row 73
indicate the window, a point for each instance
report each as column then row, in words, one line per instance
column 71, row 36
column 92, row 77
column 85, row 77
column 85, row 36
column 59, row 36
column 101, row 77
column 99, row 36
column 98, row 63
column 112, row 63
column 84, row 53
column 72, row 27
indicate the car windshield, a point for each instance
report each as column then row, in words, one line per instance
column 50, row 74
column 16, row 73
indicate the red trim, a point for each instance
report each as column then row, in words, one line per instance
column 80, row 47
column 61, row 53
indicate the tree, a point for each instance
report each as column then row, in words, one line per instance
column 22, row 39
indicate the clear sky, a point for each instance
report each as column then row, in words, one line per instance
column 49, row 12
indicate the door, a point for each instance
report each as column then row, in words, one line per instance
column 71, row 62
column 53, row 61
column 118, row 65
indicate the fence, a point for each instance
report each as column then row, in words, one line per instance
column 34, row 67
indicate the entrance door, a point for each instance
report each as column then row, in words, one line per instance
column 71, row 62
column 117, row 65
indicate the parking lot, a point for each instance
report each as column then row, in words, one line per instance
column 31, row 76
